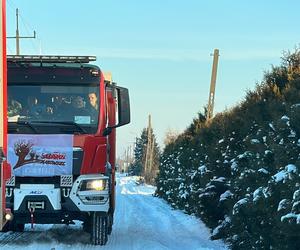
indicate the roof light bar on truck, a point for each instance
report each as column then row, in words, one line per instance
column 50, row 59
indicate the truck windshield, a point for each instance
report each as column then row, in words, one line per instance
column 55, row 105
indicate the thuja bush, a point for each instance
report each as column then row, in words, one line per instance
column 240, row 172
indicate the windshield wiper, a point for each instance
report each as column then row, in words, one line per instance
column 29, row 124
column 65, row 123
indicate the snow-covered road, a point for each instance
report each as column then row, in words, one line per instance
column 141, row 222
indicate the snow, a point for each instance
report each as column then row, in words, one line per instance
column 257, row 193
column 142, row 221
column 291, row 168
column 263, row 170
column 193, row 175
column 296, row 105
column 220, row 179
column 202, row 169
column 254, row 141
column 280, row 176
column 291, row 216
column 292, row 134
column 295, row 205
column 260, row 192
column 268, row 152
column 283, row 204
column 224, row 223
column 284, row 174
column 285, row 118
column 296, row 195
column 226, row 195
column 234, row 166
column 244, row 155
column 240, row 203
column 272, row 126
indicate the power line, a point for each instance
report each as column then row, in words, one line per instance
column 28, row 28
column 18, row 37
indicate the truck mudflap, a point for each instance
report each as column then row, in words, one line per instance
column 90, row 193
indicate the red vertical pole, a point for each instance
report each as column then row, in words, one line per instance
column 4, row 88
column 3, row 111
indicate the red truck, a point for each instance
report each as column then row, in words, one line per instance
column 62, row 116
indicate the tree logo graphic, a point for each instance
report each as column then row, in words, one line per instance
column 22, row 149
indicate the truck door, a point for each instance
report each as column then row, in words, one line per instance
column 3, row 134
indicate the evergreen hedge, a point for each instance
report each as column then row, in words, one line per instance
column 240, row 172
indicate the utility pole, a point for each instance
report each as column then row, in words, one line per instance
column 151, row 156
column 127, row 160
column 148, row 160
column 130, row 154
column 17, row 37
column 211, row 99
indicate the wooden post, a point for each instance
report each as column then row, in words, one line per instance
column 211, row 100
column 148, row 149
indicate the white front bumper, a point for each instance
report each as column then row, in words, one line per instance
column 48, row 190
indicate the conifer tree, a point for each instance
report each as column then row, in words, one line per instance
column 136, row 168
column 138, row 165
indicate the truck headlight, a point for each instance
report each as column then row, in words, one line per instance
column 98, row 185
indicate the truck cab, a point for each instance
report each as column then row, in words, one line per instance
column 62, row 117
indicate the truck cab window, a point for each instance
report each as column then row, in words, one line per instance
column 54, row 103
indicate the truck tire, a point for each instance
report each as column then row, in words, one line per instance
column 110, row 221
column 17, row 227
column 99, row 228
column 86, row 226
column 5, row 228
column 13, row 226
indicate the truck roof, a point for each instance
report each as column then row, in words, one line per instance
column 50, row 58
column 51, row 69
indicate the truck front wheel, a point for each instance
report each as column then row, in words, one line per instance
column 110, row 221
column 17, row 227
column 13, row 226
column 99, row 228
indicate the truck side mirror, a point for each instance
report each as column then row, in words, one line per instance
column 123, row 106
column 123, row 109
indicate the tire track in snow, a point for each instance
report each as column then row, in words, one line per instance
column 152, row 220
column 8, row 237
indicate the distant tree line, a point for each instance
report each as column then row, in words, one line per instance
column 240, row 172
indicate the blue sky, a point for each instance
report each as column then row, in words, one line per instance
column 160, row 49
